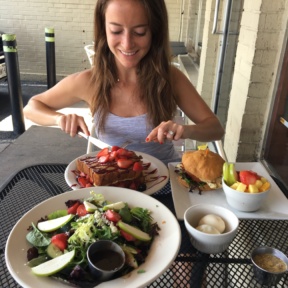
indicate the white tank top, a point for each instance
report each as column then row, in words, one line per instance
column 119, row 129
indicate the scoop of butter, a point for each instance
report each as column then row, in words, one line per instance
column 207, row 229
column 214, row 221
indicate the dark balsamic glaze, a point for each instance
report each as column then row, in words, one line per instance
column 107, row 260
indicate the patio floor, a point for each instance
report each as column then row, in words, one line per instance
column 37, row 144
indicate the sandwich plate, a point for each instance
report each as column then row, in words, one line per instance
column 274, row 207
column 161, row 174
column 162, row 253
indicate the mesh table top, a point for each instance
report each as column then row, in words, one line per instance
column 191, row 268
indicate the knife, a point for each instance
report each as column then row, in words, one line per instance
column 94, row 141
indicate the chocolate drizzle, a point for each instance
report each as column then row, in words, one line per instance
column 110, row 174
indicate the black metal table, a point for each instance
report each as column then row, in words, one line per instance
column 191, row 268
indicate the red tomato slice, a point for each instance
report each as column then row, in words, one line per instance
column 73, row 209
column 60, row 240
column 103, row 152
column 127, row 236
column 112, row 216
column 81, row 211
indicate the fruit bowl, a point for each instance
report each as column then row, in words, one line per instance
column 244, row 201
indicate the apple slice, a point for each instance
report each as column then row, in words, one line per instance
column 53, row 266
column 226, row 172
column 114, row 206
column 54, row 224
column 137, row 233
column 230, row 175
column 233, row 177
column 90, row 207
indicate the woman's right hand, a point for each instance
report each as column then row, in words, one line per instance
column 72, row 123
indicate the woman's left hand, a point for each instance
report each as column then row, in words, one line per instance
column 166, row 131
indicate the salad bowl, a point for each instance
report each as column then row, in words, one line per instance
column 162, row 253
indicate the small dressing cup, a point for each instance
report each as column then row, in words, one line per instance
column 105, row 259
column 262, row 275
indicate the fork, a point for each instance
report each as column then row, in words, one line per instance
column 128, row 142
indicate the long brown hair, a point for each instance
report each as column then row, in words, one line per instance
column 154, row 71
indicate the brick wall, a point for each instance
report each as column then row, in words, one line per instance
column 72, row 21
column 209, row 54
column 72, row 25
column 174, row 12
column 261, row 37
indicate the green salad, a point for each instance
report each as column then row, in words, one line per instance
column 59, row 241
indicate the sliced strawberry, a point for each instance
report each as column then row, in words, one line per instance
column 124, row 163
column 73, row 208
column 112, row 216
column 60, row 240
column 114, row 148
column 127, row 236
column 103, row 152
column 112, row 155
column 133, row 186
column 104, row 158
column 130, row 154
column 137, row 166
column 81, row 210
column 122, row 152
column 83, row 181
column 248, row 177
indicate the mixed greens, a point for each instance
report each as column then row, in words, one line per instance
column 77, row 227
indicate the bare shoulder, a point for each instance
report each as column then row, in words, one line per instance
column 179, row 78
column 182, row 86
column 79, row 78
column 78, row 83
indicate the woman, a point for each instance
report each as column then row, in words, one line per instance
column 132, row 89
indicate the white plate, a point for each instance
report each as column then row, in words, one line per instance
column 274, row 207
column 152, row 187
column 162, row 253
